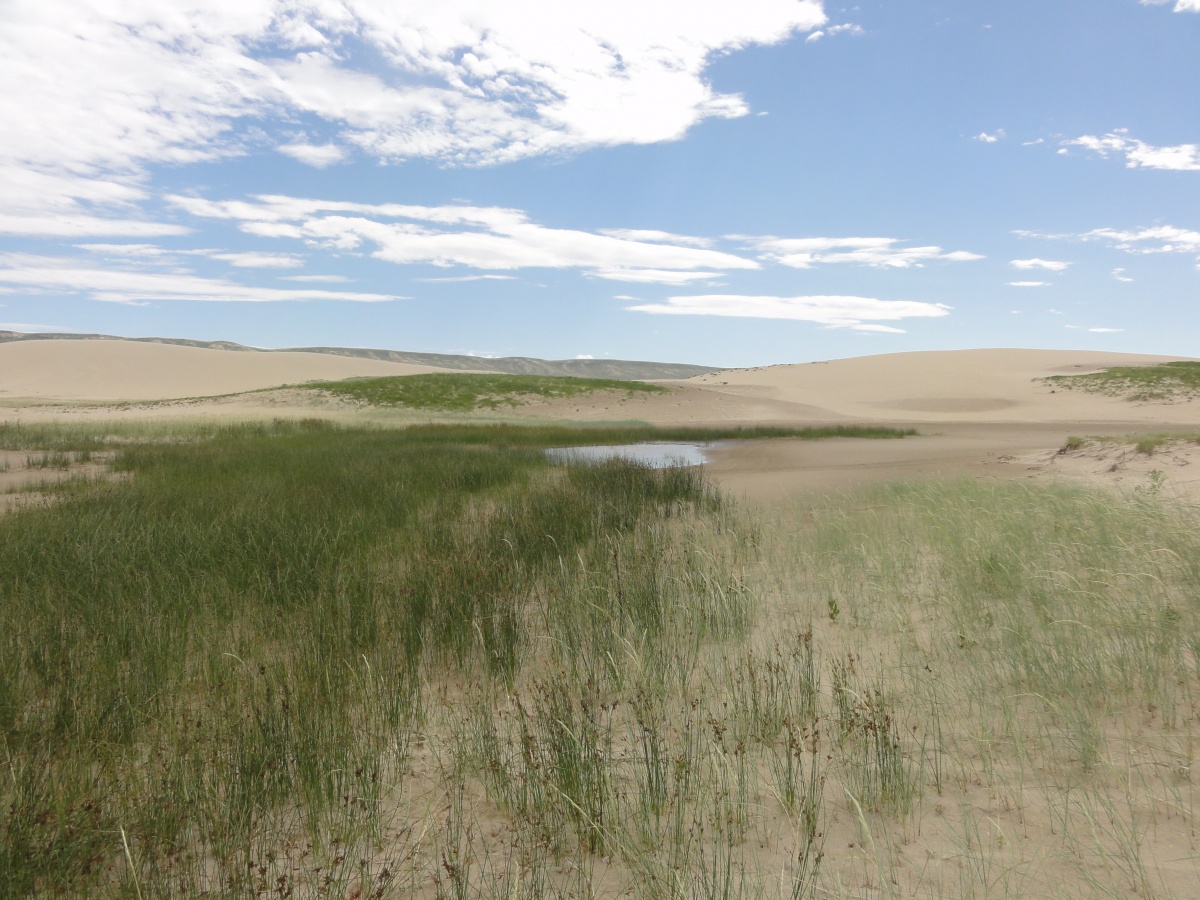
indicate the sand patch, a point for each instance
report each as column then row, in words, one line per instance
column 1172, row 470
column 130, row 370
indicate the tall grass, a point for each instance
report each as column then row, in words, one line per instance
column 299, row 660
column 221, row 657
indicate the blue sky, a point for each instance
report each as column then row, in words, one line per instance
column 746, row 183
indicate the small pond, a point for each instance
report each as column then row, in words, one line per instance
column 654, row 455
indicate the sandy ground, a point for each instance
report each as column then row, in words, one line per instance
column 111, row 371
column 979, row 412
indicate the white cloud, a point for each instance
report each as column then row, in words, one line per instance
column 1119, row 275
column 316, row 279
column 1159, row 239
column 585, row 356
column 834, row 30
column 241, row 259
column 1140, row 155
column 654, row 276
column 1180, row 5
column 319, row 156
column 657, row 237
column 804, row 253
column 1048, row 264
column 1029, row 284
column 71, row 276
column 832, row 311
column 134, row 251
column 1105, row 330
column 260, row 260
column 992, row 138
column 460, row 278
column 108, row 89
column 479, row 237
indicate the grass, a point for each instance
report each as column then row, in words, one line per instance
column 292, row 659
column 1168, row 381
column 1146, row 443
column 464, row 393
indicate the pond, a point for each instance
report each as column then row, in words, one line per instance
column 654, row 455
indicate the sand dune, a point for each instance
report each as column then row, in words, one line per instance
column 107, row 371
column 947, row 386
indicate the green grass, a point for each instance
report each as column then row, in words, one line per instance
column 228, row 647
column 1168, row 381
column 1147, row 443
column 463, row 393
column 294, row 659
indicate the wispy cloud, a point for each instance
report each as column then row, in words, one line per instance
column 994, row 137
column 1180, row 5
column 834, row 31
column 804, row 253
column 1138, row 154
column 857, row 313
column 1119, row 275
column 1050, row 265
column 654, row 276
column 250, row 260
column 1106, row 330
column 72, row 276
column 245, row 259
column 453, row 279
column 1158, row 239
column 477, row 237
column 1024, row 284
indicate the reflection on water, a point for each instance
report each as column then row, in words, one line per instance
column 654, row 455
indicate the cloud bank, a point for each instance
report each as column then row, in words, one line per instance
column 109, row 89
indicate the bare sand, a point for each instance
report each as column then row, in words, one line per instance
column 980, row 413
column 74, row 371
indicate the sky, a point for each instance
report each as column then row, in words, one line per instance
column 732, row 184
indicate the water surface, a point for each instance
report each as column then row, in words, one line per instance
column 656, row 455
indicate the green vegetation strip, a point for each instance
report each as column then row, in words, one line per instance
column 1169, row 381
column 464, row 393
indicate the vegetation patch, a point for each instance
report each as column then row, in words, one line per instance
column 467, row 392
column 299, row 660
column 1169, row 381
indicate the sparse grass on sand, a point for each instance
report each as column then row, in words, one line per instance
column 300, row 660
column 467, row 392
column 1146, row 443
column 1168, row 381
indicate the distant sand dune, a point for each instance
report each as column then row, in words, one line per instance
column 108, row 371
